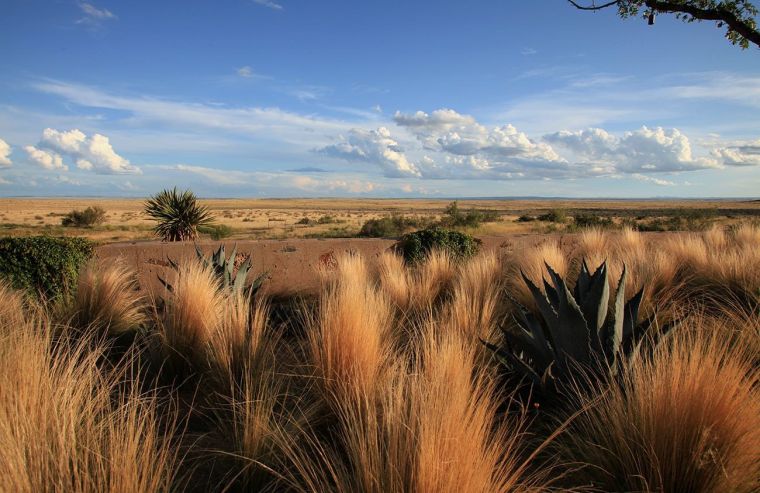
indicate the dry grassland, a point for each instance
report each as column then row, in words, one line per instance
column 279, row 218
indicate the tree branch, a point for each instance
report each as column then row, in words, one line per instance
column 718, row 13
column 715, row 14
column 593, row 7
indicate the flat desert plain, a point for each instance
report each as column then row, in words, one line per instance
column 341, row 218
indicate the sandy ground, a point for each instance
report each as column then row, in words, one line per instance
column 292, row 265
column 278, row 218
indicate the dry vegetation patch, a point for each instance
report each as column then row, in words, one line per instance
column 381, row 382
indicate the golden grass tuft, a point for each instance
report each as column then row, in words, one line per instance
column 747, row 235
column 107, row 300
column 394, row 279
column 532, row 263
column 242, row 342
column 475, row 304
column 194, row 311
column 349, row 339
column 715, row 238
column 13, row 306
column 688, row 419
column 61, row 429
column 460, row 447
column 431, row 280
column 593, row 246
column 629, row 240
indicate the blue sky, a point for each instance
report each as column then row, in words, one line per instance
column 297, row 98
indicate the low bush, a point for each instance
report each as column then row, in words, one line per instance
column 525, row 218
column 583, row 220
column 216, row 231
column 454, row 217
column 679, row 220
column 554, row 216
column 392, row 226
column 83, row 219
column 42, row 264
column 327, row 220
column 416, row 246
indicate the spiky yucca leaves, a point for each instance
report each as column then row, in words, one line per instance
column 178, row 214
column 573, row 335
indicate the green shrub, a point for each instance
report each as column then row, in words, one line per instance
column 393, row 226
column 590, row 220
column 42, row 264
column 555, row 215
column 217, row 231
column 454, row 217
column 327, row 220
column 415, row 246
column 679, row 220
column 87, row 218
column 525, row 218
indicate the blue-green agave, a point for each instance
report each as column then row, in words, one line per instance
column 572, row 334
column 223, row 267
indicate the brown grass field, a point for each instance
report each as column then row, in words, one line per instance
column 380, row 383
column 277, row 218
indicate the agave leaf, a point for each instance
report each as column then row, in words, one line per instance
column 514, row 363
column 256, row 284
column 217, row 258
column 241, row 275
column 551, row 293
column 230, row 266
column 594, row 303
column 631, row 314
column 166, row 284
column 573, row 334
column 582, row 284
column 556, row 279
column 613, row 336
column 531, row 338
column 544, row 306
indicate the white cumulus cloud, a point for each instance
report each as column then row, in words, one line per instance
column 739, row 154
column 645, row 150
column 45, row 159
column 5, row 154
column 93, row 153
column 375, row 147
column 472, row 150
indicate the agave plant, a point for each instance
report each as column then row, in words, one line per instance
column 229, row 278
column 178, row 214
column 223, row 267
column 574, row 334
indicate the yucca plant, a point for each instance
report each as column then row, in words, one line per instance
column 224, row 268
column 573, row 337
column 178, row 214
